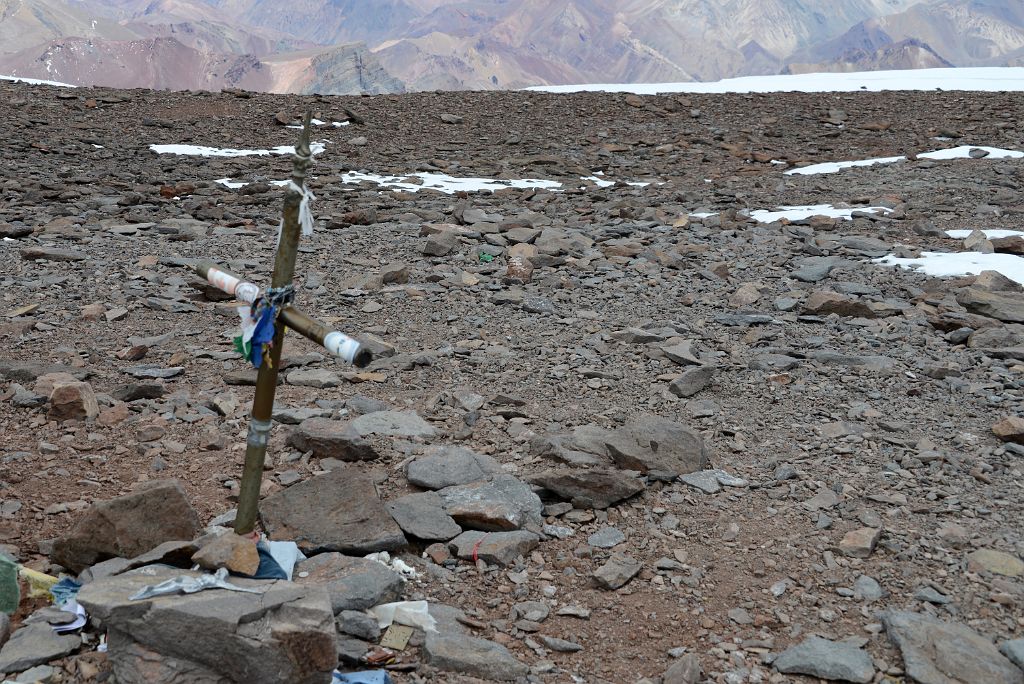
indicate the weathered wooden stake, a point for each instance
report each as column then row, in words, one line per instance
column 266, row 381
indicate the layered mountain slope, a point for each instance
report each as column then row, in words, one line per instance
column 166, row 63
column 487, row 44
column 963, row 32
column 25, row 23
column 906, row 54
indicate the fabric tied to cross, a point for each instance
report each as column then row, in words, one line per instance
column 258, row 324
column 305, row 212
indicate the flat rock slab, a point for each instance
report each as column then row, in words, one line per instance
column 827, row 660
column 712, row 481
column 651, row 444
column 331, row 439
column 449, row 466
column 1014, row 650
column 284, row 633
column 351, row 583
column 393, row 424
column 617, row 572
column 338, row 511
column 423, row 516
column 472, row 656
column 129, row 525
column 1006, row 306
column 997, row 562
column 938, row 652
column 33, row 645
column 502, row 504
column 606, row 538
column 593, row 488
column 494, row 548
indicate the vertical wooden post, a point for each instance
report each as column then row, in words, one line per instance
column 260, row 420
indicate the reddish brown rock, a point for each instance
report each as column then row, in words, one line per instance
column 1010, row 429
column 237, row 554
column 129, row 525
column 73, row 401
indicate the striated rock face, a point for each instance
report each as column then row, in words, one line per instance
column 129, row 525
column 282, row 633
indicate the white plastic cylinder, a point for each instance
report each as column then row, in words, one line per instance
column 341, row 345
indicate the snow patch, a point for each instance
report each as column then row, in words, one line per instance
column 203, row 151
column 962, row 152
column 796, row 213
column 36, row 81
column 982, row 79
column 963, row 234
column 449, row 185
column 952, row 264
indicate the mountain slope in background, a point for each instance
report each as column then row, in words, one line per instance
column 321, row 45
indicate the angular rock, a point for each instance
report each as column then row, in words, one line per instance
column 617, row 572
column 331, row 439
column 861, row 542
column 284, row 633
column 686, row 670
column 229, row 550
column 1010, row 429
column 1008, row 307
column 692, row 381
column 393, row 424
column 815, row 269
column 35, row 644
column 606, row 538
column 495, row 548
column 826, row 659
column 939, row 652
column 595, row 488
column 824, row 302
column 447, row 466
column 423, row 516
column 682, row 353
column 338, row 511
column 52, row 254
column 472, row 656
column 313, row 377
column 585, row 446
column 651, row 444
column 1014, row 650
column 501, row 504
column 351, row 583
column 73, row 401
column 440, row 243
column 129, row 525
column 996, row 562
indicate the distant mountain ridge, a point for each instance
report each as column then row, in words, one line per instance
column 351, row 46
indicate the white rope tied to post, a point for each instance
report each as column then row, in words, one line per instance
column 305, row 212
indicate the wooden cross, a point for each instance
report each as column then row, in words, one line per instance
column 280, row 293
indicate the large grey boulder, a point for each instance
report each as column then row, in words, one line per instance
column 501, row 504
column 471, row 656
column 352, row 583
column 337, row 511
column 328, row 438
column 938, row 652
column 33, row 645
column 449, row 466
column 393, row 424
column 593, row 488
column 651, row 444
column 283, row 633
column 423, row 516
column 129, row 525
column 826, row 659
